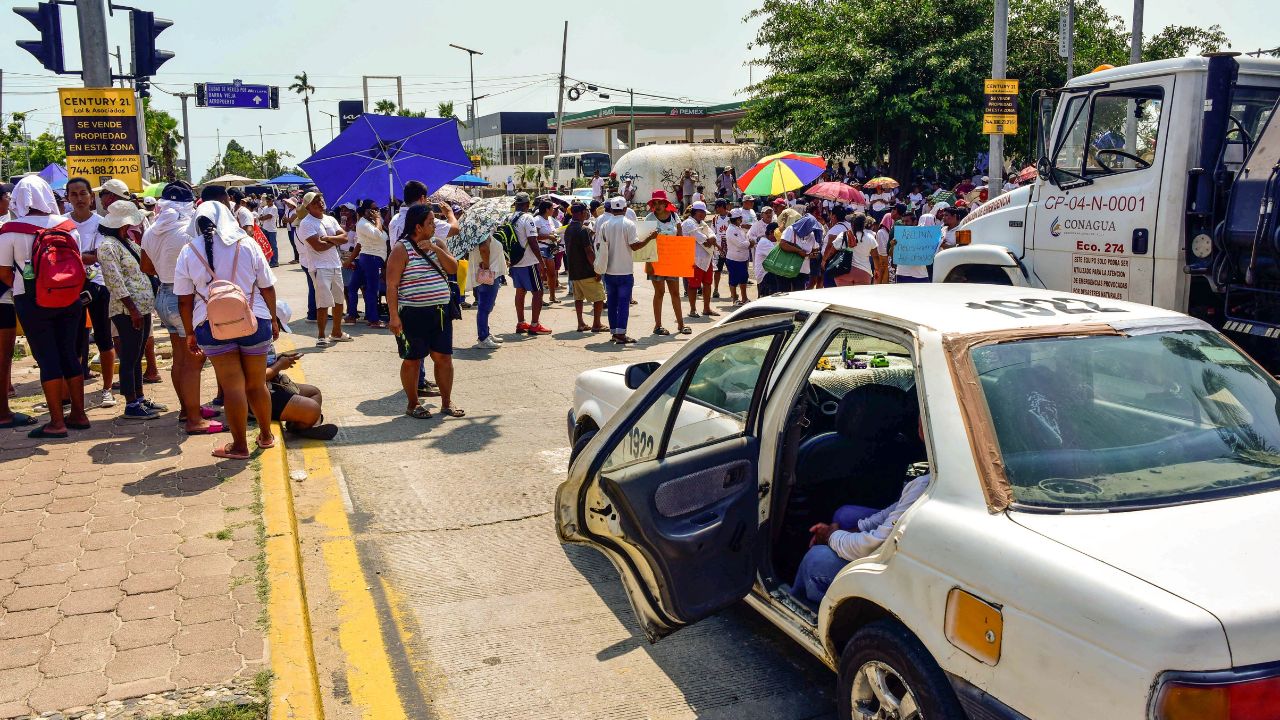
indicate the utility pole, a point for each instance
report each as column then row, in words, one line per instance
column 475, row 111
column 999, row 55
column 331, row 117
column 1135, row 43
column 262, row 153
column 119, row 66
column 186, row 134
column 564, row 52
column 95, row 59
column 1071, row 39
column 631, row 130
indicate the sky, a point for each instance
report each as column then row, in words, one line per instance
column 694, row 50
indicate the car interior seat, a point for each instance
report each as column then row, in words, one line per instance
column 863, row 462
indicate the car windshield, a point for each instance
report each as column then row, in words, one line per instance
column 1116, row 422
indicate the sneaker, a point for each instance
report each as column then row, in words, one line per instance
column 158, row 407
column 108, row 400
column 138, row 411
column 323, row 342
column 539, row 329
column 522, row 328
column 486, row 344
column 497, row 338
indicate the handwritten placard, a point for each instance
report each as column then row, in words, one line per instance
column 916, row 245
column 675, row 256
column 649, row 252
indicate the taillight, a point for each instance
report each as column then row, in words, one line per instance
column 1190, row 698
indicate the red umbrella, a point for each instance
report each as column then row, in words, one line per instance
column 837, row 191
column 1027, row 174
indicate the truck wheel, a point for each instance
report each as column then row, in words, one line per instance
column 580, row 443
column 887, row 674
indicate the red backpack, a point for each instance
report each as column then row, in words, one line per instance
column 58, row 271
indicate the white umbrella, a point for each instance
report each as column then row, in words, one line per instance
column 231, row 181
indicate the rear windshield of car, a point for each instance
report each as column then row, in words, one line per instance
column 1119, row 422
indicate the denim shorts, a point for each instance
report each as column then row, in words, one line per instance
column 256, row 344
column 167, row 311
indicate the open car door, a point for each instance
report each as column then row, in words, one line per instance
column 668, row 490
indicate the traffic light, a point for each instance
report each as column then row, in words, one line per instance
column 48, row 49
column 146, row 58
column 143, row 87
column 201, row 98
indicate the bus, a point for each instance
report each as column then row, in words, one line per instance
column 578, row 164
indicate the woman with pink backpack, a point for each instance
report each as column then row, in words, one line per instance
column 227, row 299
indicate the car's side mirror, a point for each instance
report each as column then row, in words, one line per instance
column 638, row 373
column 1045, row 169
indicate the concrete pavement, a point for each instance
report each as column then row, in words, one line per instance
column 483, row 613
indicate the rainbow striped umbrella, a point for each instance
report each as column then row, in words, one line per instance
column 780, row 173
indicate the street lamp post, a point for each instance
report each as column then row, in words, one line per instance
column 331, row 117
column 475, row 112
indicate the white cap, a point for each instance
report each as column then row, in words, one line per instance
column 121, row 213
column 116, row 187
column 617, row 202
column 736, row 213
column 698, row 206
column 148, row 201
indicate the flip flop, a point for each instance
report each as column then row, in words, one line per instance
column 661, row 331
column 41, row 434
column 268, row 446
column 454, row 412
column 212, row 429
column 225, row 453
column 77, row 426
column 152, row 381
column 18, row 420
column 686, row 330
column 419, row 413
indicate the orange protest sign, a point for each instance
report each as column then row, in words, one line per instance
column 675, row 256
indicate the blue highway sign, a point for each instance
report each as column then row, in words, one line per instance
column 238, row 95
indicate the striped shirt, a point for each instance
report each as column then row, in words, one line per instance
column 421, row 285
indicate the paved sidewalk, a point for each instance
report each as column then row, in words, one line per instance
column 128, row 562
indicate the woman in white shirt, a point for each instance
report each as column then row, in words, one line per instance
column 222, row 250
column 737, row 255
column 863, row 244
column 372, row 241
column 834, row 243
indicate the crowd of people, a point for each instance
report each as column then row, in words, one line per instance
column 201, row 266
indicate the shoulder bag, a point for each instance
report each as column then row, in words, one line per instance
column 453, row 310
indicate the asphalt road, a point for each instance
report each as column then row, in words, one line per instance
column 455, row 517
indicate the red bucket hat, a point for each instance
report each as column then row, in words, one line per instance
column 661, row 196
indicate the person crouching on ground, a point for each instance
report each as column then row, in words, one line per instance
column 418, row 297
column 222, row 251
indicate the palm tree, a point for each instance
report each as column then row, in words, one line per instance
column 481, row 156
column 303, row 87
column 385, row 107
column 445, row 109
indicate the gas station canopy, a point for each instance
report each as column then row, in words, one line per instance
column 654, row 117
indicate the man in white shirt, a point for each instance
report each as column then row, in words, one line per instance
column 526, row 273
column 706, row 250
column 323, row 236
column 720, row 223
column 597, row 186
column 267, row 218
column 80, row 195
column 617, row 237
column 244, row 216
column 749, row 216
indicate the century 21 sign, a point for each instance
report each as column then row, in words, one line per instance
column 100, row 130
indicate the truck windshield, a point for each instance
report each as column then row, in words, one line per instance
column 1124, row 422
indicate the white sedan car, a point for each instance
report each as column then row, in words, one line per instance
column 1097, row 538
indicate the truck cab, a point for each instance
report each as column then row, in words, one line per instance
column 1136, row 171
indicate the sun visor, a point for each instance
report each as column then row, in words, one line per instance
column 1151, row 326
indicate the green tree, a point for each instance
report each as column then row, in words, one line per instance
column 162, row 142
column 481, row 156
column 303, row 87
column 384, row 107
column 870, row 78
column 445, row 110
column 406, row 112
column 236, row 159
column 20, row 153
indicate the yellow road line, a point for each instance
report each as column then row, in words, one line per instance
column 370, row 678
column 295, row 689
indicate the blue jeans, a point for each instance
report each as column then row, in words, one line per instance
column 351, row 281
column 275, row 251
column 311, row 294
column 369, row 269
column 486, row 296
column 617, row 290
column 821, row 564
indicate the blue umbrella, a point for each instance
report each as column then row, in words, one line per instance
column 378, row 154
column 468, row 179
column 288, row 179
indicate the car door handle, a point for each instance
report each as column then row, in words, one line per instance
column 705, row 519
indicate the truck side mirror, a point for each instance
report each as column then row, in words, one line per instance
column 1045, row 169
column 638, row 373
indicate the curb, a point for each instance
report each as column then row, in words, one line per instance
column 295, row 688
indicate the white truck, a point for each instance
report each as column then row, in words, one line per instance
column 1156, row 185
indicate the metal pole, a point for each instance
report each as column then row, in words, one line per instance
column 186, row 136
column 999, row 54
column 631, row 131
column 564, row 52
column 475, row 111
column 142, row 136
column 95, row 58
column 1135, row 43
column 1071, row 39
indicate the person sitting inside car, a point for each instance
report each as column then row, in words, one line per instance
column 853, row 533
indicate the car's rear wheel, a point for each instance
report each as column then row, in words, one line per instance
column 887, row 674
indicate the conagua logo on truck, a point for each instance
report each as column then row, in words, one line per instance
column 1055, row 227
